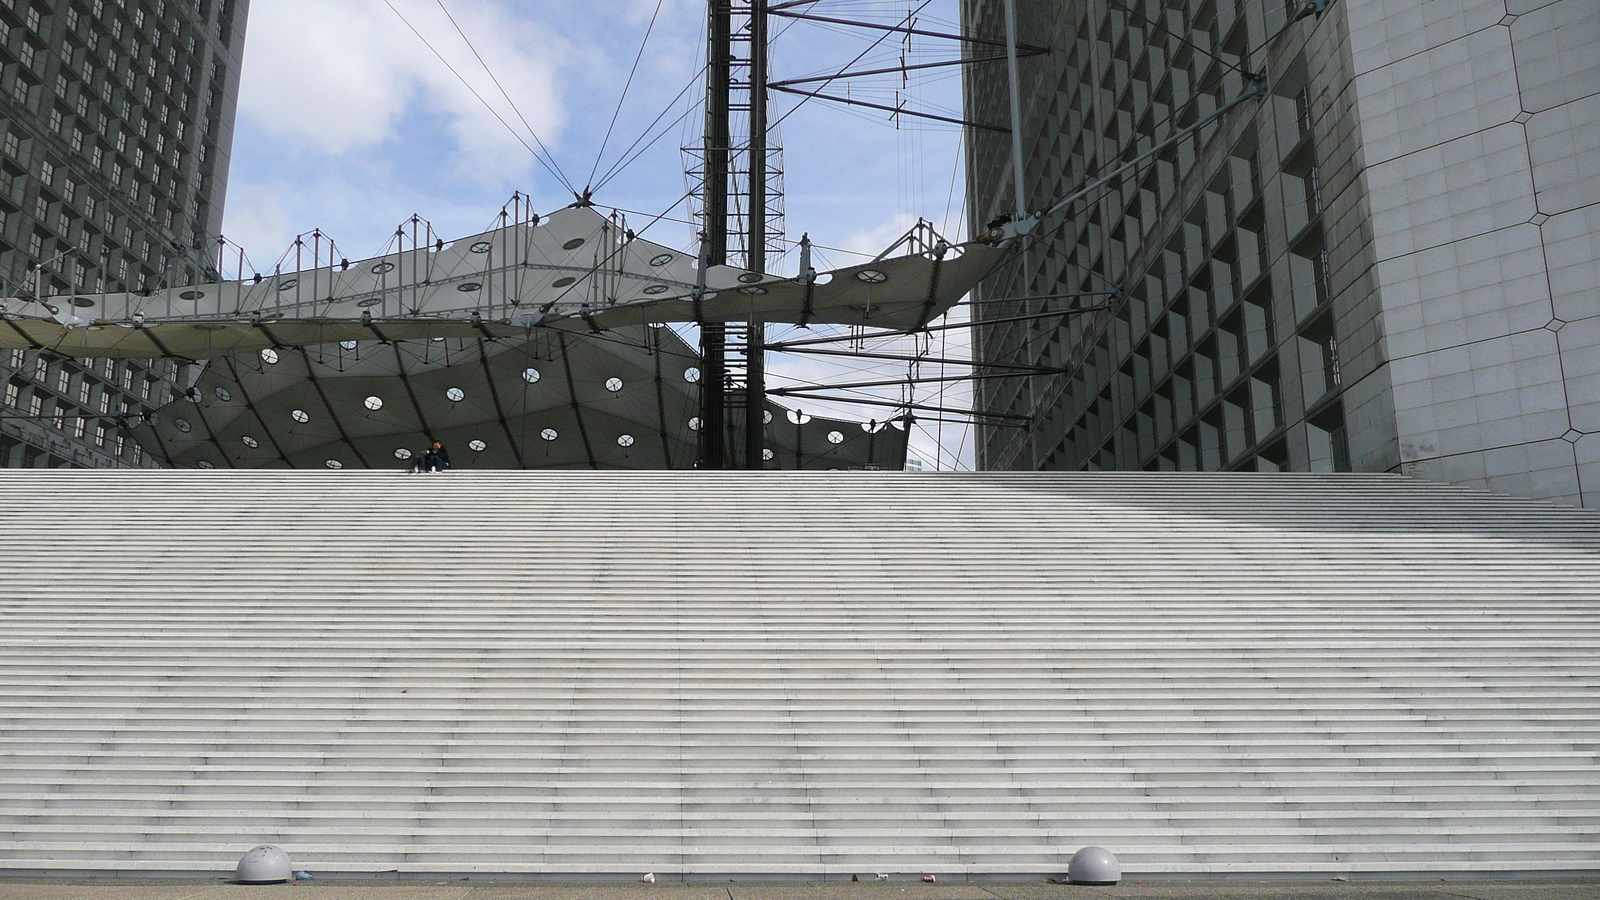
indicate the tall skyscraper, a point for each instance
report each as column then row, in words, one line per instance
column 1387, row 263
column 116, row 125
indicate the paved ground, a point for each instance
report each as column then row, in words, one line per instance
column 108, row 889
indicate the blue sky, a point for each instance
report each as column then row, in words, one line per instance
column 350, row 123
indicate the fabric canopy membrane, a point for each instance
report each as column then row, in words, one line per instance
column 569, row 296
column 555, row 400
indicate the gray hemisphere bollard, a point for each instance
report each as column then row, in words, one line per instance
column 265, row 864
column 1094, row 865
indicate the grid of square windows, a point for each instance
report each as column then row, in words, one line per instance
column 106, row 161
column 1219, row 348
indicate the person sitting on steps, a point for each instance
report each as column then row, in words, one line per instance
column 434, row 459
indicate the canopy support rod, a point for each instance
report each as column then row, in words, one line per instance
column 889, row 70
column 931, row 360
column 928, row 379
column 899, row 404
column 836, row 338
column 850, row 101
column 902, row 29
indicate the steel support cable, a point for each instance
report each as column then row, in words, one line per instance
column 870, row 47
column 626, row 159
column 503, row 93
column 549, row 163
column 1128, row 11
column 632, row 154
column 624, row 95
column 1106, row 180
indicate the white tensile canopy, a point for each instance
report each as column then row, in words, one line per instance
column 528, row 346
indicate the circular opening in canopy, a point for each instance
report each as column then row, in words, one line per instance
column 573, row 244
column 480, row 247
column 300, row 416
column 186, row 295
column 477, row 446
column 456, row 395
column 872, row 276
column 660, row 259
column 624, row 440
column 694, row 423
column 334, row 464
column 370, row 301
column 749, row 277
column 766, row 453
column 548, row 434
column 374, row 403
column 835, row 437
column 691, row 375
column 402, row 453
column 223, row 395
column 269, row 356
column 347, row 345
column 181, row 424
column 288, row 284
column 752, row 290
column 205, row 464
column 656, row 289
column 563, row 282
column 382, row 268
column 250, row 442
column 530, row 375
column 613, row 384
column 469, row 287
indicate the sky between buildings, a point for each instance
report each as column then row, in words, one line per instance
column 349, row 121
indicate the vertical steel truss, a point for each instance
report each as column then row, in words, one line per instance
column 739, row 201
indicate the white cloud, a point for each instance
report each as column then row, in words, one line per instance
column 258, row 221
column 337, row 76
column 874, row 240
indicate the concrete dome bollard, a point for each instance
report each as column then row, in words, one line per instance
column 265, row 864
column 1094, row 865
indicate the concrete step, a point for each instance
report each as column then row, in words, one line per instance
column 725, row 674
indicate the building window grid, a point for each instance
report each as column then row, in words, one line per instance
column 1272, row 410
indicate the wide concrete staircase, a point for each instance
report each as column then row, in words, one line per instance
column 799, row 674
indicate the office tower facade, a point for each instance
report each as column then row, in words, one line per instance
column 116, row 125
column 1388, row 262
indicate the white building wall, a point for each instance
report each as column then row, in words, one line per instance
column 1480, row 132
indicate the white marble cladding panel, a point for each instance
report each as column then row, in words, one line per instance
column 1544, row 469
column 1564, row 147
column 1480, row 138
column 1558, row 53
column 1383, row 31
column 1480, row 396
column 1587, row 452
column 1456, row 190
column 1443, row 93
column 1471, row 290
column 1523, row 7
column 1572, row 252
column 1580, row 364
